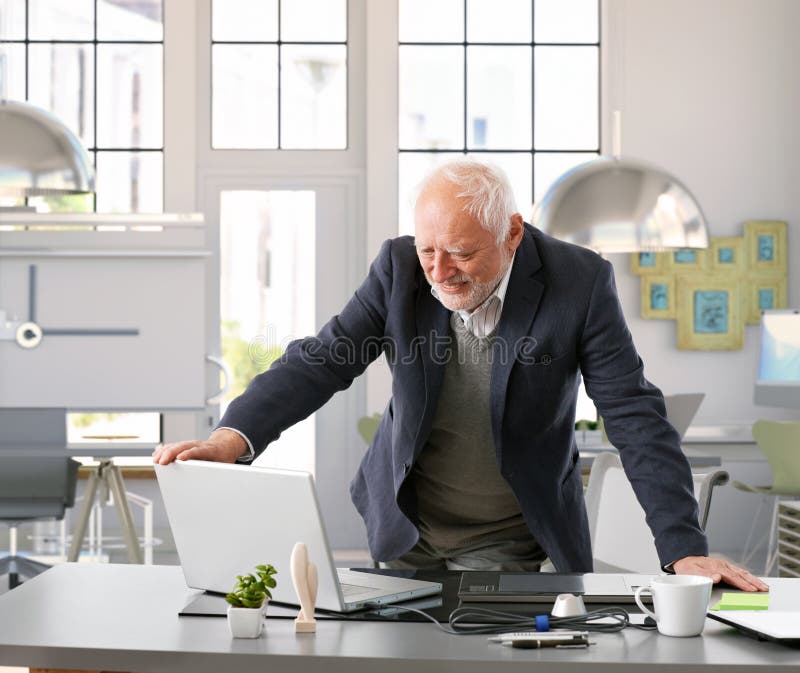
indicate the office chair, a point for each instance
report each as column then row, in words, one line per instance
column 780, row 443
column 621, row 539
column 368, row 426
column 32, row 488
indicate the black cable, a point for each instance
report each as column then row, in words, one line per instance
column 462, row 621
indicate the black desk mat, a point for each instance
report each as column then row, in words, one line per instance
column 438, row 607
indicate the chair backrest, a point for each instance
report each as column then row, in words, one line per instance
column 621, row 538
column 681, row 409
column 704, row 484
column 780, row 443
column 36, row 487
column 368, row 426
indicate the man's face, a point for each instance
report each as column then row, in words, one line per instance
column 461, row 260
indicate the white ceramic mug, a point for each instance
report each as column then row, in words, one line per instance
column 680, row 603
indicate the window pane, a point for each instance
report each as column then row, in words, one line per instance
column 499, row 20
column 139, row 20
column 126, row 428
column 313, row 20
column 12, row 67
column 59, row 20
column 314, row 96
column 61, row 80
column 426, row 21
column 244, row 96
column 431, row 97
column 130, row 95
column 130, row 182
column 517, row 167
column 63, row 203
column 585, row 409
column 244, row 20
column 412, row 168
column 566, row 21
column 12, row 19
column 267, row 289
column 499, row 97
column 547, row 168
column 565, row 98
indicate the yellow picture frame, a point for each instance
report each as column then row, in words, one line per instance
column 727, row 255
column 686, row 260
column 647, row 263
column 709, row 313
column 764, row 293
column 658, row 296
column 766, row 246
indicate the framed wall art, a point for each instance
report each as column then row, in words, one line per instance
column 645, row 263
column 709, row 312
column 689, row 259
column 756, row 261
column 766, row 246
column 727, row 255
column 658, row 296
column 764, row 293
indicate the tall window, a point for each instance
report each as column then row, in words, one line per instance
column 97, row 65
column 515, row 82
column 279, row 74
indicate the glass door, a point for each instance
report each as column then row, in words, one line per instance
column 267, row 298
column 290, row 255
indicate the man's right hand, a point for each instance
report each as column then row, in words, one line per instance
column 223, row 446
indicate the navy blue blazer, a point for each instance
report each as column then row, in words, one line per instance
column 561, row 316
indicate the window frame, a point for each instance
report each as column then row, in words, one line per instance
column 465, row 44
column 279, row 43
column 95, row 42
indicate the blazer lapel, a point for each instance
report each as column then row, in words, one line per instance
column 519, row 308
column 433, row 330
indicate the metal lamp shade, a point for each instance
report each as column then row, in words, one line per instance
column 619, row 205
column 39, row 156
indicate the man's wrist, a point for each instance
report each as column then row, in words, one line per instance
column 237, row 441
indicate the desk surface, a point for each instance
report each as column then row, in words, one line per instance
column 124, row 618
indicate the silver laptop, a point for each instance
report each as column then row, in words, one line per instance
column 226, row 519
column 521, row 587
column 681, row 410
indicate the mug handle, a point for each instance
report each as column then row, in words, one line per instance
column 638, row 599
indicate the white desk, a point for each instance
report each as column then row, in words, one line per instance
column 124, row 618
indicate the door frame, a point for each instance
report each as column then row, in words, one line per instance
column 340, row 260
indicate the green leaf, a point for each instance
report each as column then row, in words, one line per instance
column 250, row 590
column 233, row 599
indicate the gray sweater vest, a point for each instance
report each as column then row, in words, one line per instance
column 463, row 500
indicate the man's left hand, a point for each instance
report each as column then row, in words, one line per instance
column 719, row 570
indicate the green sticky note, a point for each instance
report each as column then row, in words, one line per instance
column 743, row 601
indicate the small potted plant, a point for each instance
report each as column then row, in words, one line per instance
column 248, row 601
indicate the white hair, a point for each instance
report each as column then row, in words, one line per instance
column 486, row 190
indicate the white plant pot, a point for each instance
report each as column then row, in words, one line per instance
column 246, row 622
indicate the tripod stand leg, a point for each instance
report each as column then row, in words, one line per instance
column 126, row 518
column 83, row 518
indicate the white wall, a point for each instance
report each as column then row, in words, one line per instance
column 709, row 90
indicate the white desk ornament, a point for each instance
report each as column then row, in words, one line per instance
column 304, row 578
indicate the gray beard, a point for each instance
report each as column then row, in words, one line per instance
column 478, row 292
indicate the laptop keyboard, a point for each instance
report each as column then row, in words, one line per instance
column 350, row 590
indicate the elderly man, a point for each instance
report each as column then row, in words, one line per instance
column 487, row 324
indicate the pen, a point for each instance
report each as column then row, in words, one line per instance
column 537, row 635
column 538, row 643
